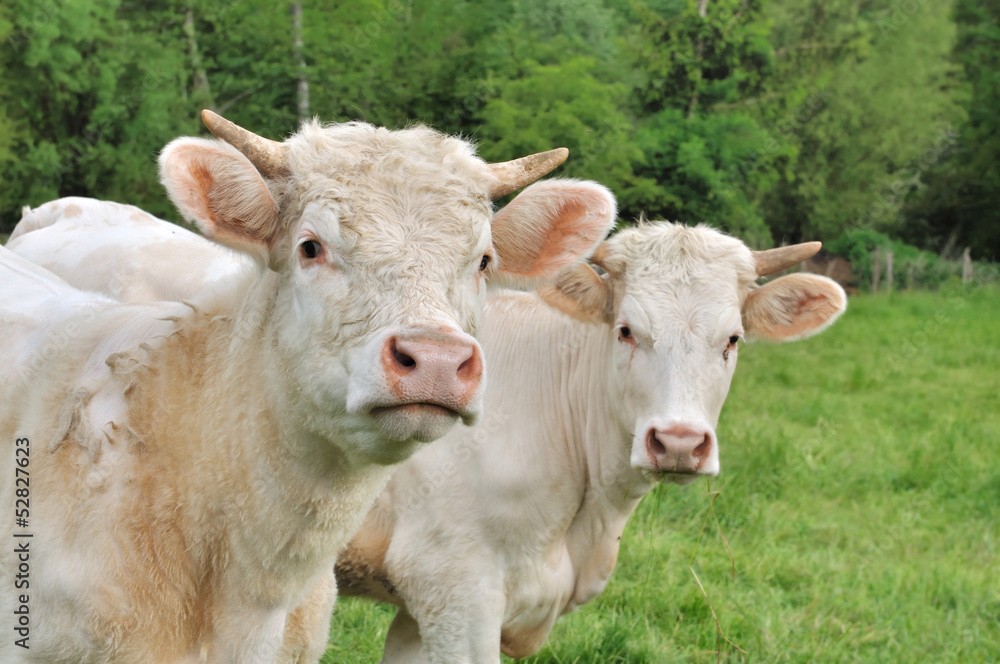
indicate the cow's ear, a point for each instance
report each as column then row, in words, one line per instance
column 549, row 226
column 579, row 292
column 793, row 307
column 216, row 187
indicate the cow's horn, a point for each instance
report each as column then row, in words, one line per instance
column 772, row 260
column 512, row 175
column 269, row 157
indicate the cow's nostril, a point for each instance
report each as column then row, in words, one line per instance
column 653, row 443
column 470, row 369
column 402, row 359
column 704, row 448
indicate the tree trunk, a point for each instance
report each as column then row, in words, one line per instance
column 201, row 90
column 699, row 50
column 303, row 90
column 949, row 245
column 692, row 105
column 966, row 266
column 876, row 269
column 888, row 271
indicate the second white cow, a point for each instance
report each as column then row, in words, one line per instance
column 485, row 540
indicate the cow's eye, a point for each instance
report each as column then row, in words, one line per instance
column 624, row 333
column 733, row 340
column 483, row 263
column 311, row 248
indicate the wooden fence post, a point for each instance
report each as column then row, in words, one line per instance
column 876, row 269
column 888, row 271
column 966, row 266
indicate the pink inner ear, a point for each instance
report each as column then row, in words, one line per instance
column 579, row 292
column 562, row 243
column 196, row 195
column 216, row 186
column 551, row 225
column 190, row 181
column 811, row 313
column 793, row 307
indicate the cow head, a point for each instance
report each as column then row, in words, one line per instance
column 373, row 247
column 676, row 302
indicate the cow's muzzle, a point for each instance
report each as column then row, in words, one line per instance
column 682, row 450
column 435, row 368
column 432, row 378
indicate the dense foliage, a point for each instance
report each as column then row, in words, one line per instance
column 777, row 120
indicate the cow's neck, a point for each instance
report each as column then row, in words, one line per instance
column 557, row 370
column 597, row 431
column 604, row 440
column 276, row 498
column 556, row 376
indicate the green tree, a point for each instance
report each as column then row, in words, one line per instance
column 960, row 204
column 703, row 158
column 87, row 100
column 887, row 94
column 562, row 105
column 776, row 120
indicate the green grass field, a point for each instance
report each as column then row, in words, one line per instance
column 859, row 493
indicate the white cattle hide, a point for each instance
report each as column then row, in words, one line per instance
column 196, row 467
column 484, row 540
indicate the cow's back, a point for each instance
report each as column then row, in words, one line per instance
column 122, row 251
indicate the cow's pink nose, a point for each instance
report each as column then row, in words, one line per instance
column 681, row 448
column 441, row 368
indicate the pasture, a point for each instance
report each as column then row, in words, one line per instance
column 859, row 497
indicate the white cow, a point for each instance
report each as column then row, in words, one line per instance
column 526, row 508
column 195, row 468
column 110, row 248
column 483, row 541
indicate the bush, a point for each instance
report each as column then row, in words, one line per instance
column 912, row 268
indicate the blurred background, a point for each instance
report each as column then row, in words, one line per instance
column 856, row 517
column 857, row 123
